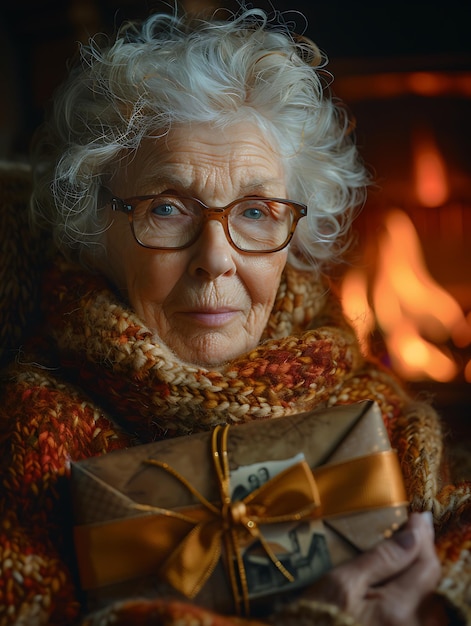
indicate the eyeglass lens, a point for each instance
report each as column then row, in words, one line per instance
column 167, row 221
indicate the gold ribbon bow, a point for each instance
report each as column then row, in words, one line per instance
column 183, row 547
column 233, row 522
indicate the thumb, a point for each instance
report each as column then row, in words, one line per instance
column 392, row 556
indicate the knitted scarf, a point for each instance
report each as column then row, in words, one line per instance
column 306, row 354
column 96, row 378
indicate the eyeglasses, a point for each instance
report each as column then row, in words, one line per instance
column 170, row 222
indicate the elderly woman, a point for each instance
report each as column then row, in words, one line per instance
column 196, row 177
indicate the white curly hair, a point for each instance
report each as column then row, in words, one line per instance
column 169, row 70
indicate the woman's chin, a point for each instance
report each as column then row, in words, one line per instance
column 210, row 351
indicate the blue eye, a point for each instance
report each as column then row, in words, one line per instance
column 163, row 210
column 253, row 214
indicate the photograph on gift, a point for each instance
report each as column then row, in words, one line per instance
column 302, row 550
column 248, row 478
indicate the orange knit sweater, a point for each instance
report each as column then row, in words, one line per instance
column 93, row 379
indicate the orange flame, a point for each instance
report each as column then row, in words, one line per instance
column 414, row 312
column 430, row 173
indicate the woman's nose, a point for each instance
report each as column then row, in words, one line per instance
column 213, row 255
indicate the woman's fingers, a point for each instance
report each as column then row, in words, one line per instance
column 424, row 573
column 408, row 593
column 388, row 584
column 414, row 542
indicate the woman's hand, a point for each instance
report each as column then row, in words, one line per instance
column 391, row 585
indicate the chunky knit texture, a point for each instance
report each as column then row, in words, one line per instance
column 21, row 258
column 92, row 378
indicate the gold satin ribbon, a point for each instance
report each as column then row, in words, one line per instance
column 183, row 547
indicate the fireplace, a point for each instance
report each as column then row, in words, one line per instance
column 407, row 286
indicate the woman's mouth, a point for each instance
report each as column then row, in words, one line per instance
column 210, row 317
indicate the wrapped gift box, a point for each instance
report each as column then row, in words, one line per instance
column 230, row 518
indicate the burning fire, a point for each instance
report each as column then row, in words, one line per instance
column 421, row 322
column 417, row 316
column 430, row 173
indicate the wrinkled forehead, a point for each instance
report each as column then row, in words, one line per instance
column 197, row 159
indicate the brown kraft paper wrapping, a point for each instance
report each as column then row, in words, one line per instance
column 140, row 530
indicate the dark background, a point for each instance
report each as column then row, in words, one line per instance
column 38, row 36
